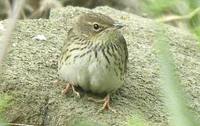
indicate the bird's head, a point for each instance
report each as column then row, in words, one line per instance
column 95, row 24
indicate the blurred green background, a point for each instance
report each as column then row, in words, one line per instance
column 184, row 14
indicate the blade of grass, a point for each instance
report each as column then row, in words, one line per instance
column 4, row 42
column 170, row 84
column 177, row 17
column 171, row 87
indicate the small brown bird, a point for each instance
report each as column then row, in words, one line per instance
column 94, row 56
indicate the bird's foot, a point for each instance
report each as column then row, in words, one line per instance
column 106, row 103
column 67, row 89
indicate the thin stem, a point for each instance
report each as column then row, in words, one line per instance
column 16, row 124
column 13, row 16
column 176, row 17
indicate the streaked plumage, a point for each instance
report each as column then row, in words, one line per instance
column 95, row 55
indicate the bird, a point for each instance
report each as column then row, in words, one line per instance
column 94, row 56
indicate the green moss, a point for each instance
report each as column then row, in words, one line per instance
column 5, row 102
column 137, row 121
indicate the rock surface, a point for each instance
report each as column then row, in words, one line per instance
column 30, row 70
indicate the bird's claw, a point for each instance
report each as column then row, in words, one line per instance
column 68, row 87
column 106, row 103
column 75, row 92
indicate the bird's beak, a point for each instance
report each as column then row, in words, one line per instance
column 118, row 25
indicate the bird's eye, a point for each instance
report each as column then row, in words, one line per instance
column 96, row 26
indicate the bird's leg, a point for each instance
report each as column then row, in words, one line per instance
column 106, row 103
column 68, row 87
column 75, row 92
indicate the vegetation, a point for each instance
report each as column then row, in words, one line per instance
column 170, row 85
column 5, row 102
column 174, row 12
column 181, row 13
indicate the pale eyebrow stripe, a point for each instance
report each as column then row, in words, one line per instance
column 91, row 23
